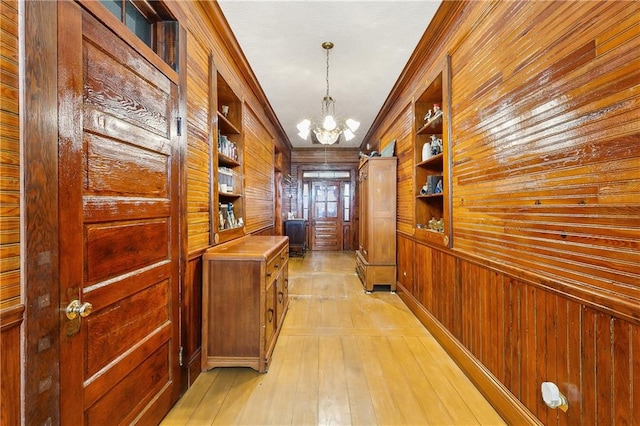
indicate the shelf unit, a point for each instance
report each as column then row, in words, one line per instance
column 432, row 115
column 227, row 200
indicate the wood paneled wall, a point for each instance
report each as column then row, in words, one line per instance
column 259, row 177
column 542, row 282
column 524, row 335
column 199, row 146
column 9, row 157
column 11, row 307
column 400, row 131
column 546, row 144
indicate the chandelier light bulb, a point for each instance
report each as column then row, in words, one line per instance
column 304, row 126
column 348, row 134
column 353, row 124
column 304, row 134
column 329, row 123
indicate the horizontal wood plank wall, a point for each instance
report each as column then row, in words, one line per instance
column 198, row 146
column 321, row 155
column 11, row 307
column 542, row 283
column 400, row 131
column 258, row 169
column 9, row 158
column 546, row 144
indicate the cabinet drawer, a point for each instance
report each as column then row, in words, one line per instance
column 273, row 268
column 284, row 255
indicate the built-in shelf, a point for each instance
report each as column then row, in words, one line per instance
column 432, row 185
column 433, row 125
column 227, row 164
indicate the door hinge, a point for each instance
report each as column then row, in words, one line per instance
column 180, row 354
column 179, row 126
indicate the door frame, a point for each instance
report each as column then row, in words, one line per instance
column 352, row 168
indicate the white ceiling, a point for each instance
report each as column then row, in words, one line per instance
column 282, row 40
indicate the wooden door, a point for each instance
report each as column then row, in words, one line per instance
column 326, row 216
column 118, row 217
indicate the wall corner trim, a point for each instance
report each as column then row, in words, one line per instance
column 503, row 401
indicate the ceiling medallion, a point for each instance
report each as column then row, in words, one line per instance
column 328, row 129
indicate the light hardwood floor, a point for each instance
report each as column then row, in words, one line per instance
column 343, row 357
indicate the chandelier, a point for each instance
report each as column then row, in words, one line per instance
column 328, row 129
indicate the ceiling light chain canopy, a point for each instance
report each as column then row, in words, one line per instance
column 328, row 129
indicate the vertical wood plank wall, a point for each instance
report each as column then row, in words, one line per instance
column 11, row 307
column 543, row 281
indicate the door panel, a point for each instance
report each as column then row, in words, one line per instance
column 326, row 216
column 119, row 248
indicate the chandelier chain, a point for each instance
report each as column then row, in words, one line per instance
column 327, row 73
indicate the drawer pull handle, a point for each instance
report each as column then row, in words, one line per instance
column 276, row 266
column 270, row 315
column 268, row 274
column 280, row 297
column 286, row 283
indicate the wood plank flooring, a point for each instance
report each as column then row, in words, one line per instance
column 343, row 358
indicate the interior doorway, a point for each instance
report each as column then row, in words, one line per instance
column 327, row 204
column 326, row 218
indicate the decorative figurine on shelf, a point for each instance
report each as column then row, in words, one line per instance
column 436, row 109
column 436, row 145
column 426, row 151
column 220, row 216
column 438, row 189
column 231, row 221
column 427, row 116
column 436, row 225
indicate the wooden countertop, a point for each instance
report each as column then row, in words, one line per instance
column 251, row 247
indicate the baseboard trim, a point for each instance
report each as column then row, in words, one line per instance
column 510, row 408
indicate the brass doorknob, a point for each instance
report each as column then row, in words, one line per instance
column 76, row 308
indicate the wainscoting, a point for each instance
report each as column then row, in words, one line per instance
column 525, row 333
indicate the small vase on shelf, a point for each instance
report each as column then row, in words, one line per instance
column 426, row 151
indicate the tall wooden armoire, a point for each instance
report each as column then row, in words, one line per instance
column 376, row 255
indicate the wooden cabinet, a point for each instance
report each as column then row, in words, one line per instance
column 296, row 230
column 228, row 189
column 245, row 298
column 376, row 255
column 432, row 111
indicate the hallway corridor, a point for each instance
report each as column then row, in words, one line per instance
column 343, row 357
